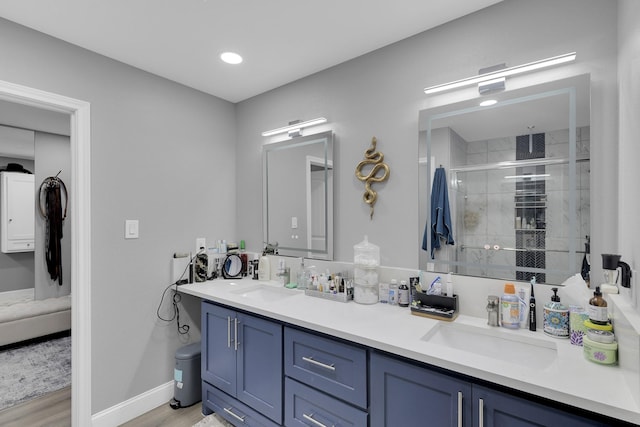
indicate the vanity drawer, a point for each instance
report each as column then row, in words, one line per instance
column 232, row 410
column 337, row 368
column 305, row 406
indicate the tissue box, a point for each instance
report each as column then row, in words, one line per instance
column 435, row 306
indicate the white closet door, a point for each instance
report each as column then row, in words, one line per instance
column 17, row 212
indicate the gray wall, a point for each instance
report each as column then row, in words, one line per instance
column 161, row 153
column 381, row 93
column 628, row 171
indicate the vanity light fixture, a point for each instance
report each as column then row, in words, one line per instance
column 295, row 127
column 505, row 72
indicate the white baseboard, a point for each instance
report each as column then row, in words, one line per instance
column 134, row 407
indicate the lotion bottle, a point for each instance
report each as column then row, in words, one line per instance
column 264, row 269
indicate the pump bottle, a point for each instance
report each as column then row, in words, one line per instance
column 597, row 309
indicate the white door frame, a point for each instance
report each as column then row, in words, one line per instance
column 80, row 203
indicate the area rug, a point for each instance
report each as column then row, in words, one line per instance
column 213, row 420
column 33, row 369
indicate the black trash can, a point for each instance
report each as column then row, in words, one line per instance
column 187, row 385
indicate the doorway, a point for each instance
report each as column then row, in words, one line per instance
column 80, row 207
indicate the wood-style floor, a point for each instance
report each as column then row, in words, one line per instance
column 54, row 410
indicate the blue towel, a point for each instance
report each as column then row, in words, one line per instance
column 440, row 214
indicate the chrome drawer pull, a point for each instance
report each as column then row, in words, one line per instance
column 235, row 343
column 310, row 418
column 481, row 412
column 459, row 409
column 322, row 365
column 237, row 417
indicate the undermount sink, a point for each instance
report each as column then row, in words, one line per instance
column 265, row 293
column 509, row 346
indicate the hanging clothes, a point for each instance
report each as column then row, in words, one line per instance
column 50, row 198
column 440, row 227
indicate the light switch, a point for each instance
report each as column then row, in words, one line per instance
column 131, row 229
column 294, row 222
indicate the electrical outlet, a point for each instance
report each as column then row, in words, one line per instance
column 201, row 243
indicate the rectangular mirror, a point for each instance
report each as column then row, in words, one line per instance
column 518, row 182
column 298, row 196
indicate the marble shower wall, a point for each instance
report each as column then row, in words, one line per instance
column 485, row 201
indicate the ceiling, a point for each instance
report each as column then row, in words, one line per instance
column 281, row 40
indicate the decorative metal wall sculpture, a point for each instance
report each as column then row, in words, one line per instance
column 374, row 158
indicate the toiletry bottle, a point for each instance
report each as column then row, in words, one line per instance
column 597, row 308
column 264, row 269
column 449, row 285
column 383, row 292
column 244, row 258
column 393, row 292
column 302, row 275
column 280, row 273
column 403, row 294
column 556, row 317
column 523, row 307
column 532, row 308
column 510, row 307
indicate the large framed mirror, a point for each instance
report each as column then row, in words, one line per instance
column 298, row 195
column 517, row 176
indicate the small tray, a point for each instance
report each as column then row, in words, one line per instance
column 340, row 296
column 435, row 306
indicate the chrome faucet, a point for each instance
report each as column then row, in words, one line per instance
column 493, row 304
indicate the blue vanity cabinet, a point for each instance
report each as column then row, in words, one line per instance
column 404, row 394
column 499, row 409
column 407, row 394
column 242, row 356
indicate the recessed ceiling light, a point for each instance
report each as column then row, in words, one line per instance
column 488, row 102
column 231, row 58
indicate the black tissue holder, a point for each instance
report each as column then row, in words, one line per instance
column 440, row 307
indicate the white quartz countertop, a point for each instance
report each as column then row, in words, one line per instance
column 569, row 378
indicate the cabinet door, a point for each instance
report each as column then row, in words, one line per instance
column 403, row 394
column 218, row 347
column 497, row 409
column 18, row 212
column 259, row 369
